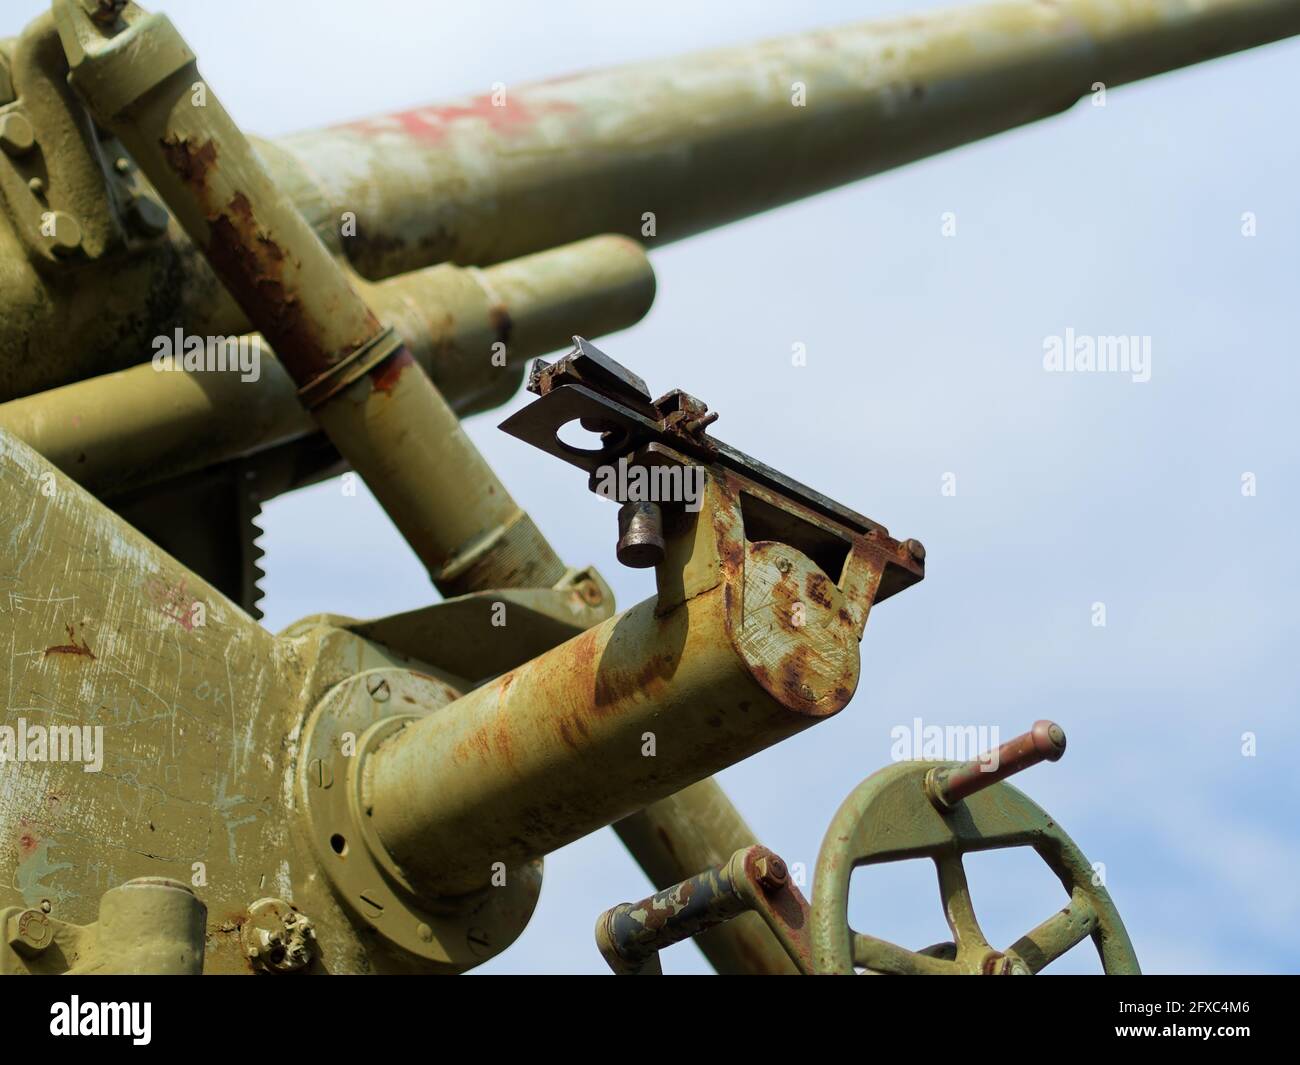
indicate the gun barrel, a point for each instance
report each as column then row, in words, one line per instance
column 666, row 149
column 621, row 716
column 123, row 431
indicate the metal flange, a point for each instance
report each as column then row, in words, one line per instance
column 445, row 935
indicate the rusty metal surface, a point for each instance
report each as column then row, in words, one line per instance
column 616, row 401
column 343, row 796
column 557, row 748
column 202, row 714
column 697, row 828
column 591, row 153
column 191, row 715
column 632, row 933
column 753, row 880
column 368, row 394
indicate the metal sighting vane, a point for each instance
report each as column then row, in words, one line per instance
column 379, row 795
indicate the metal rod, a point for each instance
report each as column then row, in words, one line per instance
column 699, row 828
column 139, row 78
column 948, row 786
column 631, row 932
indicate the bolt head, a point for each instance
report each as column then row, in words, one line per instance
column 64, row 232
column 771, row 872
column 16, row 134
column 29, row 932
column 276, row 937
column 147, row 216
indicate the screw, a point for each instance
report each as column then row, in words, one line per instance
column 320, row 773
column 807, row 692
column 379, row 689
column 783, row 564
column 916, row 549
column 424, row 932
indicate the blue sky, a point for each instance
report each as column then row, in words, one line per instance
column 925, row 358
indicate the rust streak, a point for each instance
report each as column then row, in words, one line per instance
column 384, row 377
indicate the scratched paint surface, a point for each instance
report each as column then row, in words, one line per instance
column 99, row 628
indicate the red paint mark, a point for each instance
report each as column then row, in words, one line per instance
column 431, row 124
column 73, row 647
column 27, row 841
column 174, row 603
column 384, row 376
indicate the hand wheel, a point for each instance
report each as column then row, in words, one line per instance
column 941, row 811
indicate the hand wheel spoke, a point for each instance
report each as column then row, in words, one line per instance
column 881, row 956
column 957, row 908
column 1056, row 935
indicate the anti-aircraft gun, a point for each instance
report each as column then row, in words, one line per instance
column 378, row 795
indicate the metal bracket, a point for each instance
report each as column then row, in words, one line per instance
column 589, row 387
column 857, row 554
